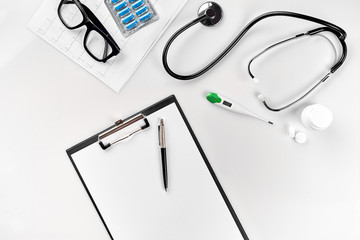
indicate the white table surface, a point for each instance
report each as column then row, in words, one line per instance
column 278, row 188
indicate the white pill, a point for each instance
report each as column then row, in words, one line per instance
column 300, row 137
column 291, row 131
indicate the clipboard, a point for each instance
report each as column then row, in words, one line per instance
column 123, row 180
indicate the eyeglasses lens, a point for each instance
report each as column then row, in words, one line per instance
column 70, row 14
column 97, row 45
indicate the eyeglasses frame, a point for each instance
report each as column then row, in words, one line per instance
column 92, row 23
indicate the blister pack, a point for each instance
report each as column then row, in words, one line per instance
column 131, row 15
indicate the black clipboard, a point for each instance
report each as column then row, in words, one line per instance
column 147, row 111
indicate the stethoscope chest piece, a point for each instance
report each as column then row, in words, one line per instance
column 213, row 11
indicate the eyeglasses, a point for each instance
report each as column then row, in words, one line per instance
column 97, row 41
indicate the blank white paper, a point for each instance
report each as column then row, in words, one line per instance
column 126, row 183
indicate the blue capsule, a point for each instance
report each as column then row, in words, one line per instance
column 127, row 19
column 137, row 4
column 124, row 12
column 145, row 17
column 120, row 6
column 141, row 10
column 132, row 25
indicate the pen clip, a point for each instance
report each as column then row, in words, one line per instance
column 161, row 132
column 121, row 124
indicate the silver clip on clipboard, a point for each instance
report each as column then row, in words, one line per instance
column 112, row 180
column 121, row 125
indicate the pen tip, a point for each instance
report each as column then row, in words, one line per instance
column 270, row 122
column 165, row 189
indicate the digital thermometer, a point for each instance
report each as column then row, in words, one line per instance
column 232, row 106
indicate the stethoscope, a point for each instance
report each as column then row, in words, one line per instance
column 210, row 13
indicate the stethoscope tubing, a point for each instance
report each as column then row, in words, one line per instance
column 339, row 32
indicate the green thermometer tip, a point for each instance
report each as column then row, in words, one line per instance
column 213, row 97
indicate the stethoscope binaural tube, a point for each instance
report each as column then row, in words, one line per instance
column 337, row 64
column 208, row 15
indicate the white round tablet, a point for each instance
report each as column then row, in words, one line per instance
column 300, row 137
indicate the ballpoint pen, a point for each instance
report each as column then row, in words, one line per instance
column 162, row 145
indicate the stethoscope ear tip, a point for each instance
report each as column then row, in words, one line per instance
column 261, row 97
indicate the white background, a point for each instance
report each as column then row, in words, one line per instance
column 279, row 189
